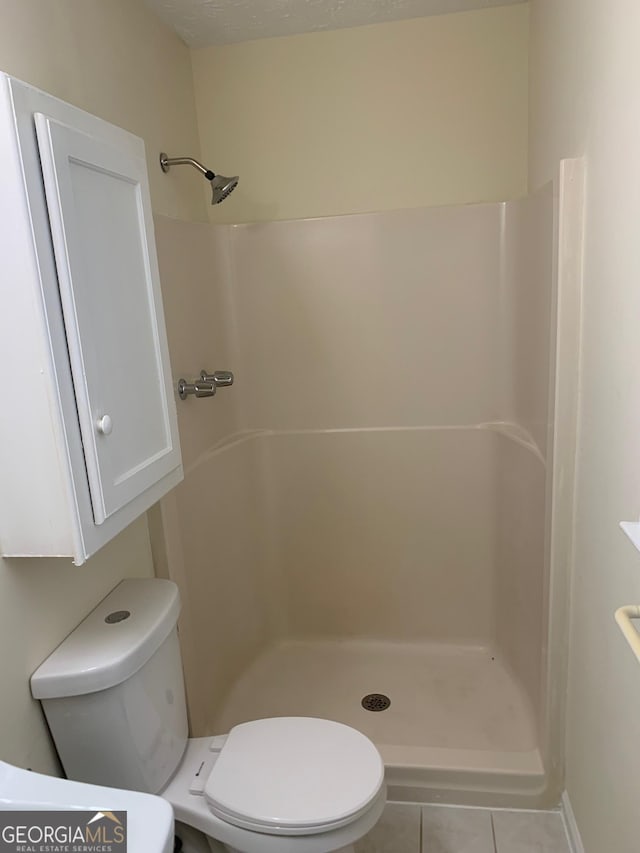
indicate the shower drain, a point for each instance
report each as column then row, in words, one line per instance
column 376, row 702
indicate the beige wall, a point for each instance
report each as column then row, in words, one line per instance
column 421, row 112
column 116, row 60
column 584, row 71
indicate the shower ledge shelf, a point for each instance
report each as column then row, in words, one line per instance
column 632, row 529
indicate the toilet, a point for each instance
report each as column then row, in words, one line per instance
column 113, row 696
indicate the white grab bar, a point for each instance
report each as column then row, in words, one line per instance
column 624, row 615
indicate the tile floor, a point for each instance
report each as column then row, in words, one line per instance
column 409, row 828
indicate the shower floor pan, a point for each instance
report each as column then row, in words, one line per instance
column 459, row 726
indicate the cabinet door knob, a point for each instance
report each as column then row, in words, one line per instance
column 105, row 425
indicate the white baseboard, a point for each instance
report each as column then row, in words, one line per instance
column 570, row 824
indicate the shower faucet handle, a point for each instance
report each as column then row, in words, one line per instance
column 198, row 388
column 220, row 378
column 206, row 385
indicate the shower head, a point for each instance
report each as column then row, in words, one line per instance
column 221, row 187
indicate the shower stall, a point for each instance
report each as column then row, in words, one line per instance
column 375, row 507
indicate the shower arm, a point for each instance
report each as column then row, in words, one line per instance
column 221, row 186
column 167, row 162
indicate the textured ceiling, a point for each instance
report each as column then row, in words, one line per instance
column 205, row 22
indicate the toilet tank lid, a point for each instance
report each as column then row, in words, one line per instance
column 113, row 642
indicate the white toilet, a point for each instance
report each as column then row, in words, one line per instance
column 113, row 696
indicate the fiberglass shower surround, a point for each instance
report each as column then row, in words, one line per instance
column 383, row 501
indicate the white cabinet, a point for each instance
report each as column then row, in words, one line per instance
column 88, row 433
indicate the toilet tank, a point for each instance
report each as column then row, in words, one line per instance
column 113, row 691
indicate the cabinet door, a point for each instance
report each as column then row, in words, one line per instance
column 100, row 217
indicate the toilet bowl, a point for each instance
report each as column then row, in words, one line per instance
column 113, row 696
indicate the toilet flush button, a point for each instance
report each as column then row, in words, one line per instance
column 117, row 616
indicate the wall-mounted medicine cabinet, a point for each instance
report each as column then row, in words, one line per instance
column 88, row 430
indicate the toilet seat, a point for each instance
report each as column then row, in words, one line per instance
column 294, row 776
column 193, row 809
